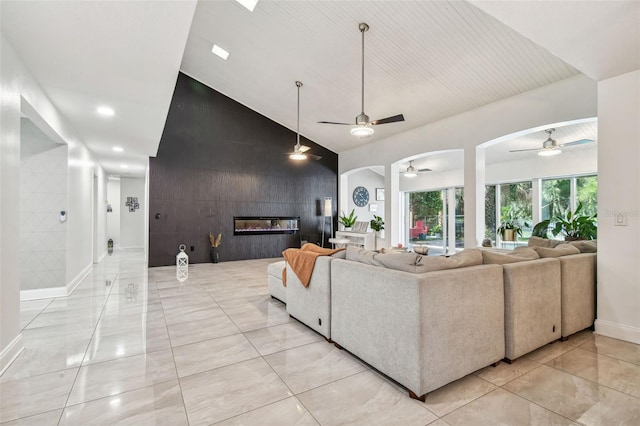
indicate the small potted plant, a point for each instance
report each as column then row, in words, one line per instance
column 348, row 221
column 377, row 224
column 510, row 226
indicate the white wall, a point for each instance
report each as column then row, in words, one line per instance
column 618, row 190
column 16, row 85
column 43, row 236
column 113, row 218
column 11, row 84
column 132, row 222
column 370, row 180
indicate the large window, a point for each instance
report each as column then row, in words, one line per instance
column 436, row 218
column 556, row 197
column 587, row 193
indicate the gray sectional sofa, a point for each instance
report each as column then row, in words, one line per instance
column 428, row 321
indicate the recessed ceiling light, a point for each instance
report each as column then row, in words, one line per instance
column 249, row 4
column 105, row 110
column 124, row 166
column 220, row 52
column 118, row 149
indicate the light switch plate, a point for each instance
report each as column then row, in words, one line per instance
column 620, row 218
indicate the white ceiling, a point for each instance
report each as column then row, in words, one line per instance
column 426, row 59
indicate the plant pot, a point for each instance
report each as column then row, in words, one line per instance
column 215, row 257
column 347, row 228
column 509, row 235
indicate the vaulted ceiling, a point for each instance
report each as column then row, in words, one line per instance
column 425, row 59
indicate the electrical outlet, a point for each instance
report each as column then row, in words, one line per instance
column 193, row 248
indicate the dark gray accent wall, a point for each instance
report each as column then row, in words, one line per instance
column 219, row 159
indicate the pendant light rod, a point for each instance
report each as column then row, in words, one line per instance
column 363, row 27
column 299, row 85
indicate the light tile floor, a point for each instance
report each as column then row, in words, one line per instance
column 133, row 345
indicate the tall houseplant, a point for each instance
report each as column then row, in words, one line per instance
column 573, row 226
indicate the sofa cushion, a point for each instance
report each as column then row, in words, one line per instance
column 415, row 263
column 544, row 242
column 468, row 257
column 560, row 250
column 500, row 258
column 585, row 246
column 407, row 262
column 361, row 255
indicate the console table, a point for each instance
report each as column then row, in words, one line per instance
column 366, row 240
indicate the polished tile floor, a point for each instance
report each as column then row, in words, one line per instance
column 134, row 345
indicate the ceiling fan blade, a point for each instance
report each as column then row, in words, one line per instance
column 333, row 122
column 522, row 150
column 304, row 148
column 578, row 142
column 387, row 120
column 425, row 170
column 315, row 157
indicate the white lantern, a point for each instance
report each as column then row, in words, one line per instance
column 182, row 260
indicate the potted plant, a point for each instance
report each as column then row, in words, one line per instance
column 576, row 225
column 348, row 221
column 377, row 224
column 510, row 225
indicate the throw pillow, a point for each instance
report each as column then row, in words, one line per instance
column 468, row 257
column 538, row 242
column 361, row 255
column 585, row 246
column 519, row 255
column 561, row 250
column 407, row 262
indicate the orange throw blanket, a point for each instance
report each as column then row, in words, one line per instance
column 303, row 260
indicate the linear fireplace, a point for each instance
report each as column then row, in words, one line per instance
column 256, row 225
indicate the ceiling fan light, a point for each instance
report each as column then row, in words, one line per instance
column 411, row 173
column 362, row 131
column 298, row 156
column 549, row 152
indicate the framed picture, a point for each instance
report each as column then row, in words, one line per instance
column 379, row 194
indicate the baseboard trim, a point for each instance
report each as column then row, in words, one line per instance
column 78, row 279
column 618, row 331
column 10, row 353
column 101, row 257
column 43, row 293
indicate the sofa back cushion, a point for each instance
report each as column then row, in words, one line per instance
column 520, row 254
column 415, row 263
column 361, row 255
column 585, row 246
column 560, row 250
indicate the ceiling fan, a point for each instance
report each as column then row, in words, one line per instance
column 412, row 171
column 550, row 147
column 363, row 125
column 299, row 151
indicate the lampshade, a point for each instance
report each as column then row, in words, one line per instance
column 549, row 152
column 362, row 130
column 328, row 210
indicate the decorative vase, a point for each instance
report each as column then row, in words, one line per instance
column 215, row 257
